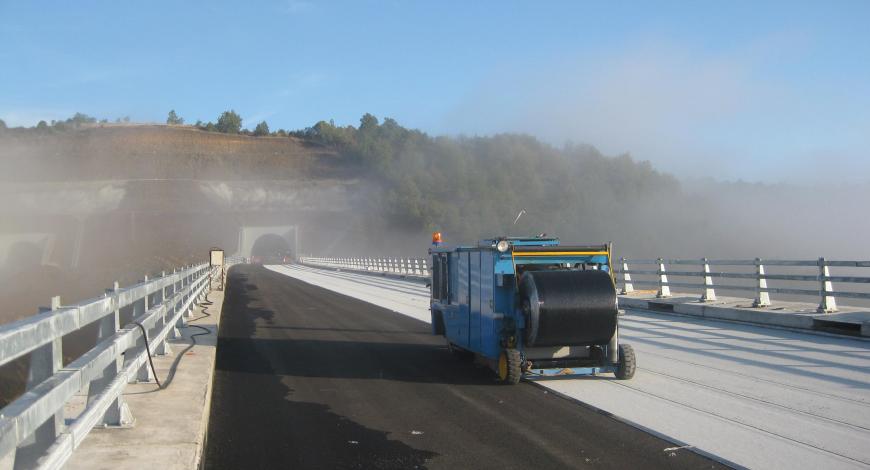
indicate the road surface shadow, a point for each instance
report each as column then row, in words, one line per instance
column 308, row 435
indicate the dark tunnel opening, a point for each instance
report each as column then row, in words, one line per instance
column 271, row 246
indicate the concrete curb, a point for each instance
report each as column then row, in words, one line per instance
column 171, row 421
column 790, row 318
column 202, row 442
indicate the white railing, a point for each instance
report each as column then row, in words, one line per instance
column 33, row 429
column 753, row 273
column 411, row 267
column 755, row 278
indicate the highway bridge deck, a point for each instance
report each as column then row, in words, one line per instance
column 750, row 395
column 309, row 378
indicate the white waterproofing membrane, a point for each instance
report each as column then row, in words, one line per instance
column 752, row 396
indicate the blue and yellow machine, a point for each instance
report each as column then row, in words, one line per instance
column 529, row 306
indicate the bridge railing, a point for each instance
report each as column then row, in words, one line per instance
column 412, row 267
column 34, row 431
column 801, row 278
column 807, row 278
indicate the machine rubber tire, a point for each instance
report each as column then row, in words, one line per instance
column 509, row 367
column 627, row 362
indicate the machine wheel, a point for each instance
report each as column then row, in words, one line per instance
column 509, row 367
column 627, row 362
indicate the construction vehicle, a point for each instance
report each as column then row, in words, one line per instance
column 529, row 306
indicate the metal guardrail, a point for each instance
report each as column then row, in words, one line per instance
column 662, row 268
column 33, row 429
column 821, row 277
column 415, row 267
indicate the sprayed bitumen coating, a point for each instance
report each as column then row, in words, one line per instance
column 749, row 395
column 309, row 378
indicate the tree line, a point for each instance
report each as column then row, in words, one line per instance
column 471, row 187
column 76, row 121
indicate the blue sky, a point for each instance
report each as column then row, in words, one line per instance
column 763, row 91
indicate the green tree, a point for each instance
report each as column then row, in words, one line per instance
column 229, row 122
column 2, row 125
column 261, row 129
column 173, row 119
column 368, row 123
column 80, row 119
column 42, row 126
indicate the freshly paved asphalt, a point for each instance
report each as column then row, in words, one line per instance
column 307, row 378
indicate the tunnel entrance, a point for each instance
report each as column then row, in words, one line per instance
column 268, row 241
column 272, row 248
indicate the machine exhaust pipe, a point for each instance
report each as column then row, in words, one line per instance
column 613, row 347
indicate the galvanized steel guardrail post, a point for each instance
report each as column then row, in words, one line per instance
column 627, row 286
column 762, row 297
column 828, row 304
column 709, row 294
column 664, row 288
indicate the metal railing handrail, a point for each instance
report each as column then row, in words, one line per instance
column 21, row 337
column 823, row 290
column 32, row 427
column 822, row 277
column 411, row 267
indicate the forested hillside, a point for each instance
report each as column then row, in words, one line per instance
column 409, row 183
column 471, row 187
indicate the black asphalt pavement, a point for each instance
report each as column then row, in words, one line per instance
column 307, row 378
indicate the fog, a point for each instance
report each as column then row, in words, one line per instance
column 80, row 209
column 730, row 114
column 64, row 233
column 709, row 219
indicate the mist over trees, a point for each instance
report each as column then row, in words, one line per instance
column 411, row 183
column 471, row 187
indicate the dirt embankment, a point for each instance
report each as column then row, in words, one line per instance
column 82, row 208
column 156, row 152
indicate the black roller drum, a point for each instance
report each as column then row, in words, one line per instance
column 568, row 308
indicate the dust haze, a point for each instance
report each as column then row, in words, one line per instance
column 84, row 208
column 764, row 168
column 80, row 209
